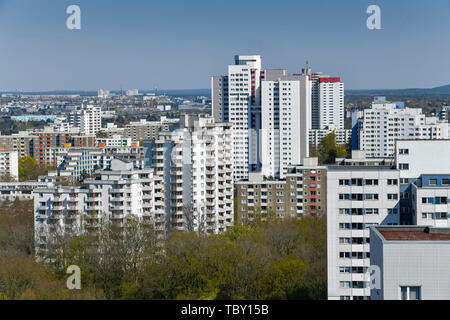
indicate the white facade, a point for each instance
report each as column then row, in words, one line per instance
column 74, row 163
column 9, row 164
column 195, row 166
column 331, row 103
column 114, row 141
column 327, row 101
column 88, row 119
column 120, row 192
column 132, row 92
column 430, row 201
column 243, row 94
column 286, row 112
column 21, row 190
column 343, row 136
column 236, row 98
column 413, row 263
column 358, row 197
column 386, row 122
column 417, row 157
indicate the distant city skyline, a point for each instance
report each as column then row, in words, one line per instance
column 177, row 44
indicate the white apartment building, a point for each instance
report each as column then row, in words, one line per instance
column 114, row 141
column 327, row 101
column 430, row 201
column 331, row 102
column 413, row 263
column 103, row 93
column 117, row 194
column 132, row 92
column 244, row 97
column 286, row 107
column 9, row 164
column 444, row 113
column 11, row 191
column 342, row 136
column 88, row 119
column 386, row 122
column 358, row 197
column 414, row 158
column 76, row 163
column 149, row 130
column 195, row 166
column 237, row 98
column 212, row 174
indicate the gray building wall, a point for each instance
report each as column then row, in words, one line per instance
column 411, row 263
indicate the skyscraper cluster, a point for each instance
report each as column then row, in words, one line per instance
column 272, row 113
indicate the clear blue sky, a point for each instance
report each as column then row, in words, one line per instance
column 175, row 44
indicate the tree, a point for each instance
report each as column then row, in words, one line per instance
column 29, row 169
column 328, row 150
column 7, row 178
column 102, row 134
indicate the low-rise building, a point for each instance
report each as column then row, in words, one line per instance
column 301, row 193
column 410, row 263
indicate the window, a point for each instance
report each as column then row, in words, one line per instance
column 441, row 215
column 433, row 182
column 409, row 293
column 445, row 182
column 404, row 166
column 393, row 182
column 403, row 151
column 427, row 215
column 392, row 211
column 392, row 196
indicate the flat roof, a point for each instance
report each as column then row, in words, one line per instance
column 414, row 233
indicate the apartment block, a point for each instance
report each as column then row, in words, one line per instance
column 195, row 166
column 327, row 101
column 78, row 163
column 412, row 262
column 386, row 122
column 87, row 118
column 114, row 195
column 149, row 130
column 114, row 141
column 361, row 196
column 236, row 98
column 9, row 164
column 414, row 158
column 36, row 144
column 301, row 193
column 342, row 136
column 430, row 201
column 10, row 191
column 286, row 107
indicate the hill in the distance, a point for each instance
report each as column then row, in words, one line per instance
column 420, row 91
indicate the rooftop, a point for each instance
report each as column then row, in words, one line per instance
column 413, row 233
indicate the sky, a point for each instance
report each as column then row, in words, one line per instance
column 180, row 44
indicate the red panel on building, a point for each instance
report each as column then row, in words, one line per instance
column 329, row 79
